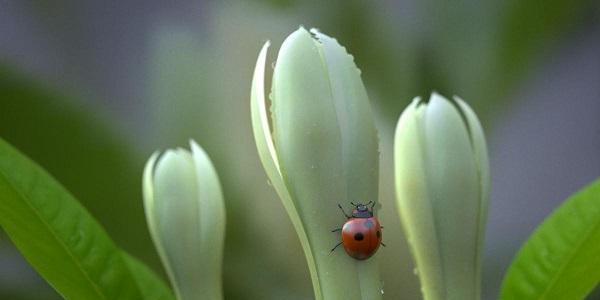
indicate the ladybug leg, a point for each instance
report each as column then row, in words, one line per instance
column 333, row 249
column 342, row 209
column 382, row 244
column 337, row 229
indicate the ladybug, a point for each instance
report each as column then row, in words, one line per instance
column 361, row 234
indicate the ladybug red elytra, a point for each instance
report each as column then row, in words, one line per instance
column 361, row 234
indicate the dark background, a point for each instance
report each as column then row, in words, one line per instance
column 89, row 89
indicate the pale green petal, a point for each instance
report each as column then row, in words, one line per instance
column 148, row 192
column 175, row 209
column 360, row 145
column 481, row 155
column 355, row 120
column 268, row 157
column 210, row 234
column 414, row 206
column 150, row 210
column 259, row 110
column 453, row 184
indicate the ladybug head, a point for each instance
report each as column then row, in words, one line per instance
column 363, row 210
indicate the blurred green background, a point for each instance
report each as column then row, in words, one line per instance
column 89, row 89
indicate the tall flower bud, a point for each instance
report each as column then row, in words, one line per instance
column 323, row 150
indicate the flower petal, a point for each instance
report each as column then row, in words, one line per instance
column 483, row 167
column 360, row 145
column 270, row 162
column 211, row 226
column 453, row 182
column 414, row 203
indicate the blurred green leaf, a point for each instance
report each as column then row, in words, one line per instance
column 152, row 287
column 83, row 151
column 57, row 235
column 560, row 260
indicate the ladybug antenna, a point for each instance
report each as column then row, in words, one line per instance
column 353, row 203
column 372, row 204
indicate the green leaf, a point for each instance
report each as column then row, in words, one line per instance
column 152, row 287
column 69, row 137
column 57, row 235
column 560, row 260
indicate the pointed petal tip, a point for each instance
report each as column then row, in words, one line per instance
column 416, row 100
column 435, row 96
column 198, row 153
column 266, row 45
column 150, row 164
column 193, row 144
column 300, row 33
column 195, row 148
column 316, row 32
column 154, row 156
column 258, row 100
column 457, row 98
column 409, row 112
column 462, row 104
column 148, row 182
column 167, row 156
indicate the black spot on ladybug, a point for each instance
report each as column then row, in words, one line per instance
column 378, row 233
column 359, row 236
column 368, row 224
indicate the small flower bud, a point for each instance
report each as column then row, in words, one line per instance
column 186, row 217
column 442, row 185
